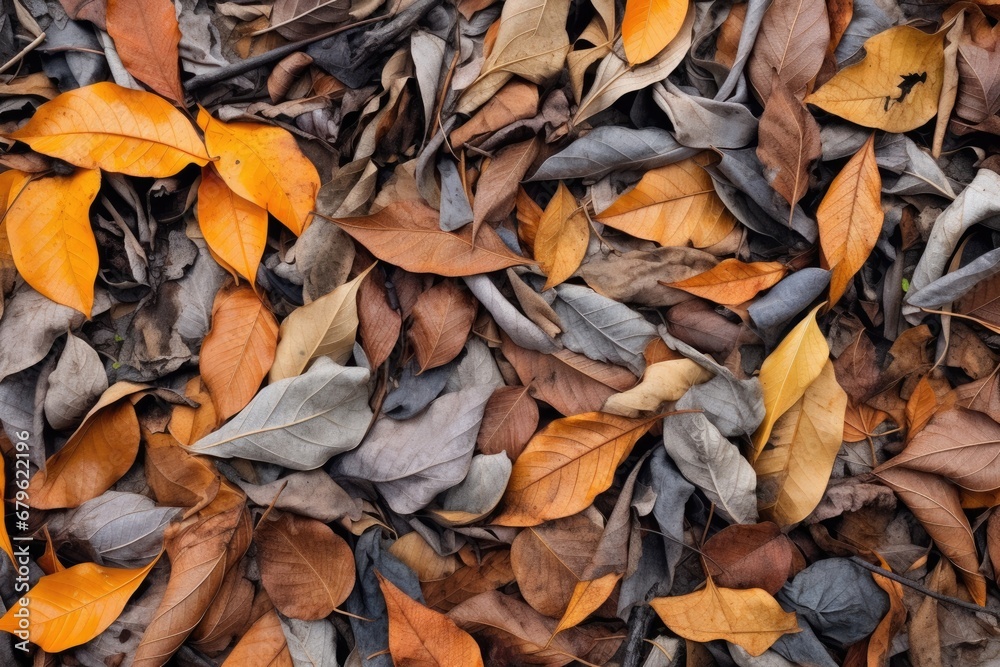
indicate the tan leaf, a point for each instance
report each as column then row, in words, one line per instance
column 788, row 371
column 324, row 328
column 850, row 218
column 561, row 239
column 263, row 645
column 920, row 407
column 422, row 636
column 490, row 573
column 239, row 349
column 662, row 382
column 732, row 282
column 895, row 88
column 442, row 320
column 789, row 142
column 566, row 465
column 792, row 473
column 749, row 618
column 306, row 569
column 674, row 206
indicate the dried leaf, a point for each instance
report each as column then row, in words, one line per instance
column 792, row 42
column 146, row 37
column 561, row 239
column 234, row 228
column 509, row 421
column 750, row 556
column 731, row 282
column 649, row 25
column 263, row 644
column 663, row 382
column 789, row 142
column 442, row 320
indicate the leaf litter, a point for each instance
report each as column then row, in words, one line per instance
column 607, row 332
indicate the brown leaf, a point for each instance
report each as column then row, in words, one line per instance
column 146, row 37
column 306, row 569
column 238, row 350
column 857, row 367
column 936, row 505
column 379, row 323
column 406, row 233
column 491, row 573
column 86, row 10
column 510, row 420
column 789, row 142
column 498, row 185
column 178, row 477
column 442, row 320
column 263, row 645
column 228, row 615
column 920, row 407
column 189, row 424
column 518, row 100
column 561, row 239
column 566, row 465
column 732, row 282
column 529, row 215
column 860, row 421
column 549, row 560
column 749, row 556
column 880, row 643
column 569, row 382
column 422, row 636
column 792, row 41
column 982, row 301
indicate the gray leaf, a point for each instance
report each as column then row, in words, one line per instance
column 298, row 422
column 521, row 330
column 416, row 390
column 612, row 148
column 475, row 368
column 748, row 37
column 427, row 52
column 951, row 286
column 75, row 385
column 839, row 599
column 312, row 493
column 803, row 648
column 735, row 407
column 700, row 122
column 456, row 211
column 868, row 19
column 412, row 461
column 920, row 174
column 601, row 328
column 713, row 464
column 482, row 488
column 311, row 643
column 124, row 529
column 672, row 493
column 787, row 299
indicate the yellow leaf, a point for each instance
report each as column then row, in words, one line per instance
column 263, row 163
column 895, row 88
column 421, row 636
column 749, row 618
column 234, row 228
column 649, row 25
column 788, row 371
column 587, row 597
column 732, row 282
column 850, row 218
column 51, row 240
column 560, row 241
column 661, row 382
column 566, row 465
column 12, row 182
column 325, row 327
column 105, row 126
column 72, row 606
column 792, row 474
column 674, row 206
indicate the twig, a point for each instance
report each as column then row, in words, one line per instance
column 638, row 625
column 923, row 589
column 23, row 52
column 243, row 66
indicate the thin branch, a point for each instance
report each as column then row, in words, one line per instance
column 22, row 53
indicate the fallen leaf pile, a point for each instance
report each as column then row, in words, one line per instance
column 499, row 332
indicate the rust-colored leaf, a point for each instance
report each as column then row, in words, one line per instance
column 749, row 556
column 146, row 37
column 789, row 142
column 509, row 421
column 442, row 319
column 731, row 282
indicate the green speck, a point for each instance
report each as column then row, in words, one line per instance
column 906, row 285
column 116, row 365
column 119, row 339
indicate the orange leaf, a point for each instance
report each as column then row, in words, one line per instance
column 234, row 228
column 105, row 126
column 146, row 37
column 442, row 319
column 264, row 644
column 53, row 245
column 850, row 218
column 749, row 617
column 72, row 606
column 422, row 636
column 649, row 25
column 306, row 568
column 921, row 406
column 5, row 543
column 587, row 597
column 732, row 282
column 407, row 234
column 263, row 163
column 560, row 241
column 94, row 458
column 566, row 465
column 673, row 205
column 239, row 350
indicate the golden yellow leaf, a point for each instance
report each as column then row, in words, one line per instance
column 587, row 597
column 234, row 228
column 649, row 25
column 732, row 282
column 325, row 327
column 12, row 182
column 105, row 126
column 53, row 245
column 674, row 206
column 788, row 371
column 850, row 218
column 421, row 636
column 566, row 465
column 560, row 241
column 895, row 88
column 661, row 382
column 749, row 618
column 72, row 606
column 263, row 163
column 793, row 472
